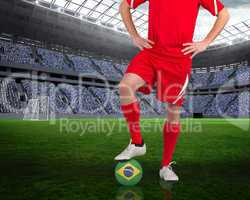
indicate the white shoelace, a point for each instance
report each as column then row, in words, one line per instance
column 170, row 165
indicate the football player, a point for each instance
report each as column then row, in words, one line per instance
column 165, row 60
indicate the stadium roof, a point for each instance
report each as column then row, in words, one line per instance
column 103, row 12
column 106, row 13
column 235, row 33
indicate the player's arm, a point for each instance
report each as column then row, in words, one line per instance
column 198, row 47
column 127, row 20
column 218, row 27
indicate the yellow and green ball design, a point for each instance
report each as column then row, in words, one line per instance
column 128, row 173
column 129, row 193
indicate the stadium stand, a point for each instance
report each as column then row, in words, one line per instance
column 199, row 80
column 107, row 69
column 108, row 98
column 243, row 75
column 92, row 100
column 51, row 59
column 219, row 105
column 69, row 99
column 82, row 64
column 219, row 78
column 200, row 103
column 9, row 96
column 15, row 53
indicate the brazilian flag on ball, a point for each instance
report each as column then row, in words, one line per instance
column 128, row 173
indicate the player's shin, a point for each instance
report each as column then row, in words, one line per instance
column 171, row 133
column 131, row 113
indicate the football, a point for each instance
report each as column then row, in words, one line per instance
column 128, row 173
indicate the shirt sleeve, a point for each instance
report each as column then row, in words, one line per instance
column 213, row 6
column 135, row 3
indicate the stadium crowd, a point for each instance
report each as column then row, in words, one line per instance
column 70, row 99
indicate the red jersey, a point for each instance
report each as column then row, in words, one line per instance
column 172, row 23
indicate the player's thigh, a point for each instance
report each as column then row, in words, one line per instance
column 172, row 83
column 131, row 81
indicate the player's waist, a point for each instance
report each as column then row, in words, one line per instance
column 173, row 54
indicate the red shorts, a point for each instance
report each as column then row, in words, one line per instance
column 170, row 76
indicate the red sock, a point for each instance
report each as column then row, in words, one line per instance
column 132, row 114
column 170, row 136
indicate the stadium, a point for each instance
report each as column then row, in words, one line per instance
column 60, row 119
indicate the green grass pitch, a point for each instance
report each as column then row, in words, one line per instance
column 74, row 159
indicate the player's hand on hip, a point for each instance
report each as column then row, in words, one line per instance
column 194, row 48
column 142, row 43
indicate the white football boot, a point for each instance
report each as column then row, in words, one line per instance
column 167, row 173
column 131, row 151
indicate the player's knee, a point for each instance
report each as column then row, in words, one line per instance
column 125, row 89
column 173, row 113
column 172, row 120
